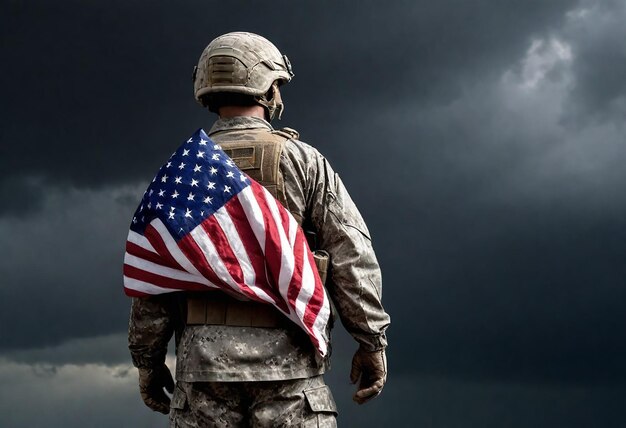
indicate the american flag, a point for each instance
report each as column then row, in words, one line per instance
column 203, row 224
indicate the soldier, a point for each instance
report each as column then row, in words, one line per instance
column 234, row 369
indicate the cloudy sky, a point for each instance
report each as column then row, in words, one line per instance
column 484, row 142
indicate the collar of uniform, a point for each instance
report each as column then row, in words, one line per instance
column 239, row 122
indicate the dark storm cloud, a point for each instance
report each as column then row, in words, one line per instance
column 61, row 267
column 17, row 193
column 100, row 89
column 92, row 395
column 600, row 63
column 516, row 247
column 110, row 350
column 492, row 129
column 454, row 403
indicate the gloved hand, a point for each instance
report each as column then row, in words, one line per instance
column 371, row 368
column 151, row 384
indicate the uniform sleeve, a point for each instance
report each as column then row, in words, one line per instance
column 150, row 328
column 355, row 283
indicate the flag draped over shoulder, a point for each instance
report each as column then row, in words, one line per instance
column 203, row 224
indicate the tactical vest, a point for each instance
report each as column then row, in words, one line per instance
column 257, row 153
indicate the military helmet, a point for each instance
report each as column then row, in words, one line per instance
column 240, row 62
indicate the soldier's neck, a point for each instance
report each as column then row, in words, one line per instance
column 234, row 111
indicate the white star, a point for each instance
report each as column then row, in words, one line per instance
column 215, row 156
column 191, row 196
column 170, row 216
column 226, row 189
column 175, row 195
column 135, row 220
column 168, row 165
column 178, row 180
column 203, row 142
column 188, row 213
column 190, row 140
column 201, row 213
column 161, row 192
column 211, row 186
column 230, row 163
column 182, row 165
column 208, row 200
column 242, row 177
column 154, row 179
column 200, row 154
column 151, row 192
column 230, row 174
column 171, row 208
column 164, row 179
column 216, row 147
column 213, row 170
column 159, row 206
column 194, row 183
column 149, row 205
column 141, row 208
column 197, row 168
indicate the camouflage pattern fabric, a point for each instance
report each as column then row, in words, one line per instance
column 150, row 328
column 208, row 353
column 229, row 353
column 290, row 403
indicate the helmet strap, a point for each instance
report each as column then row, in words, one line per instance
column 274, row 106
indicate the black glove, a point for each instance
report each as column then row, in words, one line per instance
column 371, row 368
column 151, row 384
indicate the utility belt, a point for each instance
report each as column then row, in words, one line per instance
column 218, row 308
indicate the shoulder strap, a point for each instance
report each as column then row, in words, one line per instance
column 288, row 133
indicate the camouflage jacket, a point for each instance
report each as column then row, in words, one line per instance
column 315, row 193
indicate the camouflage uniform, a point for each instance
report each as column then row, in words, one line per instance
column 219, row 353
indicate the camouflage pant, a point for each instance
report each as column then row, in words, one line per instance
column 287, row 403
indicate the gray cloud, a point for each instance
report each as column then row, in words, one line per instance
column 71, row 395
column 110, row 350
column 17, row 192
column 513, row 222
column 597, row 35
column 61, row 270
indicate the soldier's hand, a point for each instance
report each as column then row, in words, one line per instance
column 370, row 370
column 151, row 384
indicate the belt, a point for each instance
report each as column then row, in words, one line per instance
column 217, row 308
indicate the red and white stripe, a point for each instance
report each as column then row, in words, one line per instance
column 252, row 247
